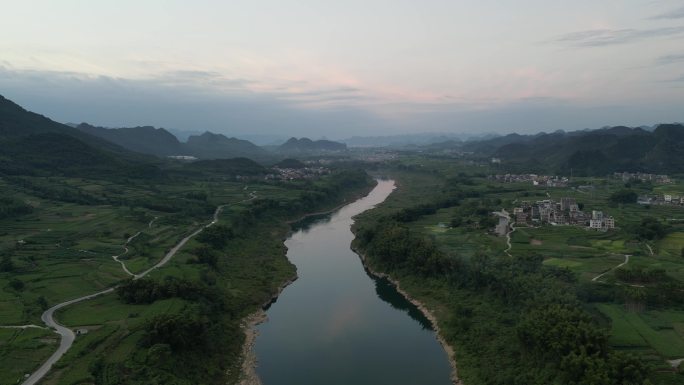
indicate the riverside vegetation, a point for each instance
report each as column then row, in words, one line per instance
column 537, row 316
column 75, row 210
column 181, row 324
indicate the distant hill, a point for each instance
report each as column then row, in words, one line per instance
column 294, row 145
column 290, row 163
column 162, row 143
column 215, row 146
column 145, row 139
column 33, row 144
column 595, row 152
column 229, row 167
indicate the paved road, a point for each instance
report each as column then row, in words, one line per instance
column 68, row 335
column 67, row 340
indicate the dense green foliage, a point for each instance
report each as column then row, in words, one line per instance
column 624, row 196
column 651, row 228
column 510, row 320
column 10, row 207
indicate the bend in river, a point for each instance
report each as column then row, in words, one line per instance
column 338, row 325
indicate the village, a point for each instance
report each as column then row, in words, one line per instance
column 288, row 174
column 643, row 177
column 548, row 211
column 534, row 179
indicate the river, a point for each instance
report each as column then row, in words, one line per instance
column 336, row 324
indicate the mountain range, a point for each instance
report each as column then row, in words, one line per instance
column 294, row 145
column 595, row 152
column 34, row 144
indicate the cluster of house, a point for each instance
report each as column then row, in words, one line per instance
column 536, row 180
column 628, row 176
column 296, row 173
column 565, row 212
column 188, row 158
column 662, row 199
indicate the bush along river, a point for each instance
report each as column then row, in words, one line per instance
column 337, row 324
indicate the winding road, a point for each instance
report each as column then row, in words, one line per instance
column 595, row 279
column 67, row 335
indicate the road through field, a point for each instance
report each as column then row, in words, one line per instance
column 68, row 336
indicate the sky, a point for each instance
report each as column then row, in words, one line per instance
column 336, row 69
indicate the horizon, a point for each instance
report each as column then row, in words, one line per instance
column 315, row 69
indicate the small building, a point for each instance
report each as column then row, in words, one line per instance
column 595, row 224
column 609, row 222
column 521, row 218
column 566, row 203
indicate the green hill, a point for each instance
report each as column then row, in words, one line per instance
column 596, row 152
column 145, row 139
column 228, row 167
column 34, row 144
column 217, row 146
column 294, row 145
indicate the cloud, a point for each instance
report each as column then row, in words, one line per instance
column 673, row 14
column 174, row 101
column 670, row 59
column 605, row 37
column 678, row 79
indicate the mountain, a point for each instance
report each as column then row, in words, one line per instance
column 145, row 139
column 162, row 143
column 595, row 152
column 419, row 139
column 215, row 146
column 33, row 144
column 294, row 145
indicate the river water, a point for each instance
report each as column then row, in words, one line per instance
column 337, row 324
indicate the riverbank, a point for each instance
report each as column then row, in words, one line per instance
column 347, row 200
column 249, row 327
column 423, row 309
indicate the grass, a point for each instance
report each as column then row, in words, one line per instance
column 672, row 245
column 23, row 350
column 659, row 330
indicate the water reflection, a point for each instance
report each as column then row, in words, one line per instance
column 388, row 293
column 334, row 325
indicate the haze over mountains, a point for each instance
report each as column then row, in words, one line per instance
column 160, row 142
column 32, row 142
column 596, row 152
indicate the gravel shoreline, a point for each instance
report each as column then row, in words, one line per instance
column 249, row 375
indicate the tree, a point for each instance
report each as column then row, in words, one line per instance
column 16, row 284
column 651, row 228
column 7, row 265
column 624, row 196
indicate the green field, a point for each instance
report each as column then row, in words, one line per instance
column 659, row 330
column 64, row 249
